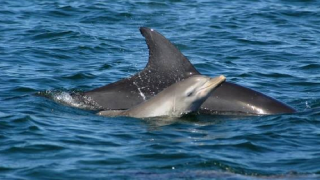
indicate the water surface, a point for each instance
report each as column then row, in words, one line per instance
column 59, row 47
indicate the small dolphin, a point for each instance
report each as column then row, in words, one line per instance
column 178, row 99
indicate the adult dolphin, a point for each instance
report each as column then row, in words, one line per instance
column 167, row 65
column 180, row 98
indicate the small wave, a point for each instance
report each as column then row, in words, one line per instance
column 79, row 76
column 50, row 34
column 34, row 148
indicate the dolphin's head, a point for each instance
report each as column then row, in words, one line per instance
column 193, row 91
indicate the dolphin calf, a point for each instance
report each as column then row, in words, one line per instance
column 181, row 98
column 166, row 66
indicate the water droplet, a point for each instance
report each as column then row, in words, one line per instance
column 307, row 105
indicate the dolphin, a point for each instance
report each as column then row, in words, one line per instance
column 166, row 66
column 180, row 98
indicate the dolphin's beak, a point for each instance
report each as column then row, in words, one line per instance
column 212, row 83
column 216, row 81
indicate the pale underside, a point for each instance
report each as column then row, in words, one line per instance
column 145, row 110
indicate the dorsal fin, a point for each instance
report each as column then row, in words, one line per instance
column 164, row 55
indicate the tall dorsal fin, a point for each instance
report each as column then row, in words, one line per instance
column 164, row 55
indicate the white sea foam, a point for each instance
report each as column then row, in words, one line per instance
column 66, row 99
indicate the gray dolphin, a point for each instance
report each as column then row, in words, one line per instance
column 176, row 100
column 166, row 66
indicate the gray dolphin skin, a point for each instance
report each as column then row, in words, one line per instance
column 166, row 66
column 176, row 100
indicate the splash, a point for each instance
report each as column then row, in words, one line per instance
column 72, row 99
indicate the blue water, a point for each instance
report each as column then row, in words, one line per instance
column 58, row 47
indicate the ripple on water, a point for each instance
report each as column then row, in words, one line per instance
column 34, row 149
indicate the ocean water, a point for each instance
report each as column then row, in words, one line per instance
column 63, row 46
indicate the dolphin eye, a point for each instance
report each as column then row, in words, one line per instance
column 189, row 93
